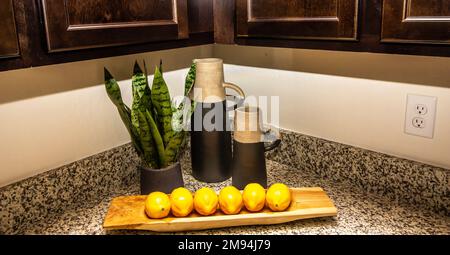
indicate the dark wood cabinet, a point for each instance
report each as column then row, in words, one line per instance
column 43, row 32
column 80, row 24
column 381, row 26
column 200, row 14
column 9, row 46
column 60, row 31
column 14, row 39
column 298, row 19
column 416, row 21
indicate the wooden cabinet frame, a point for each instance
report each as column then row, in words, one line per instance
column 34, row 49
column 8, row 33
column 401, row 25
column 369, row 34
column 61, row 35
column 340, row 25
column 211, row 21
column 17, row 54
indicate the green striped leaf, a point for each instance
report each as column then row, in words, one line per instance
column 173, row 148
column 113, row 91
column 141, row 88
column 150, row 153
column 189, row 84
column 157, row 139
column 179, row 122
column 190, row 79
column 125, row 115
column 139, row 108
column 161, row 101
column 150, row 119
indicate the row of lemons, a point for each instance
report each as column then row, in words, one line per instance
column 205, row 201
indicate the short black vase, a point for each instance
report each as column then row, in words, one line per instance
column 249, row 163
column 164, row 179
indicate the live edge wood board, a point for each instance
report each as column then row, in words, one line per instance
column 127, row 212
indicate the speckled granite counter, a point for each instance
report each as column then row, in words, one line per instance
column 375, row 193
column 358, row 211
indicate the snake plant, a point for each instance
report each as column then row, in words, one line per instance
column 155, row 126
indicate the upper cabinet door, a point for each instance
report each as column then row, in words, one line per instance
column 78, row 24
column 9, row 44
column 416, row 21
column 302, row 19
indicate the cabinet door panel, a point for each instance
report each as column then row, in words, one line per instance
column 308, row 19
column 9, row 46
column 201, row 18
column 78, row 24
column 416, row 21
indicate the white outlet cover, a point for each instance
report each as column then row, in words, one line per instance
column 429, row 117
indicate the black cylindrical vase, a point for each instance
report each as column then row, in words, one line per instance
column 210, row 145
column 249, row 164
column 164, row 180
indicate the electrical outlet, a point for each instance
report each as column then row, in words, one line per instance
column 420, row 115
column 421, row 109
column 418, row 122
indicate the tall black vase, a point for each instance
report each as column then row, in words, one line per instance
column 211, row 149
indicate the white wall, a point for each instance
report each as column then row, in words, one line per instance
column 54, row 115
column 367, row 113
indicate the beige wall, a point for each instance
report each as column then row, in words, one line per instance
column 352, row 98
column 54, row 115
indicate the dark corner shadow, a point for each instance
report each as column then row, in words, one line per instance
column 34, row 82
column 419, row 70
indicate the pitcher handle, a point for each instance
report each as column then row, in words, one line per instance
column 272, row 145
column 241, row 93
column 234, row 87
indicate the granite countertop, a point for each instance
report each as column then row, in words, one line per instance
column 358, row 211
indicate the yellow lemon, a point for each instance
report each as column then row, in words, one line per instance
column 230, row 200
column 182, row 202
column 254, row 197
column 278, row 197
column 205, row 201
column 157, row 205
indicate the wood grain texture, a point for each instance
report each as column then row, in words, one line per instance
column 20, row 57
column 100, row 23
column 82, row 12
column 369, row 38
column 34, row 51
column 298, row 19
column 128, row 213
column 200, row 14
column 224, row 15
column 9, row 44
column 416, row 21
column 292, row 10
column 428, row 8
column 182, row 19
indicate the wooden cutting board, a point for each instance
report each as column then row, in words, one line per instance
column 127, row 212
